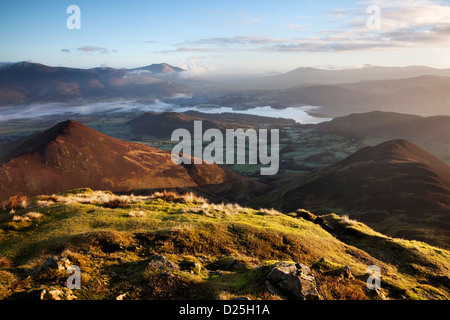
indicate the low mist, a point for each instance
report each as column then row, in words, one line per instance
column 34, row 111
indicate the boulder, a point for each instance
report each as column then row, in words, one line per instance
column 191, row 266
column 292, row 281
column 57, row 262
column 162, row 263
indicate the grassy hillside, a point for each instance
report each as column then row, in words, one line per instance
column 171, row 246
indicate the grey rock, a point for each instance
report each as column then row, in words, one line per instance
column 292, row 281
column 162, row 263
column 227, row 264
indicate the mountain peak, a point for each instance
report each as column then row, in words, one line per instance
column 393, row 151
column 158, row 68
column 68, row 124
column 71, row 155
column 393, row 176
column 39, row 141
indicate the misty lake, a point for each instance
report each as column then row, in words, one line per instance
column 7, row 113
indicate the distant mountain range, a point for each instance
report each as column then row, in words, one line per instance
column 71, row 155
column 311, row 76
column 414, row 90
column 423, row 95
column 26, row 82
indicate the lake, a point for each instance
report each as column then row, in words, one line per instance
column 7, row 113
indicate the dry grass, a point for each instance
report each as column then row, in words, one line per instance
column 221, row 209
column 119, row 202
column 173, row 196
column 346, row 220
column 5, row 262
column 15, row 203
column 137, row 213
column 269, row 212
column 33, row 215
column 20, row 219
column 104, row 198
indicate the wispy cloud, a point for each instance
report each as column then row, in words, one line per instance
column 238, row 40
column 404, row 24
column 91, row 49
column 194, row 66
column 220, row 44
column 188, row 49
column 65, row 50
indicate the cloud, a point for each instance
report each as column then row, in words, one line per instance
column 194, row 67
column 405, row 24
column 90, row 49
column 221, row 44
column 238, row 40
column 65, row 50
column 189, row 49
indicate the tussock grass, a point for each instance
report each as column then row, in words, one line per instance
column 14, row 203
column 269, row 212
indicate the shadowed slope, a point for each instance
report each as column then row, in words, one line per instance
column 396, row 176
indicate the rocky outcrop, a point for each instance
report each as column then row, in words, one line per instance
column 193, row 267
column 292, row 281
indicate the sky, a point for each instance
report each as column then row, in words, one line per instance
column 229, row 36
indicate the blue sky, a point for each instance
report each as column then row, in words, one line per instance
column 227, row 36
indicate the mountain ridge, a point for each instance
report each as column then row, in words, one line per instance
column 26, row 82
column 380, row 161
column 71, row 155
column 396, row 187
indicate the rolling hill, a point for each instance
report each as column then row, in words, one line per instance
column 390, row 125
column 71, row 155
column 430, row 133
column 396, row 187
column 164, row 123
column 167, row 246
